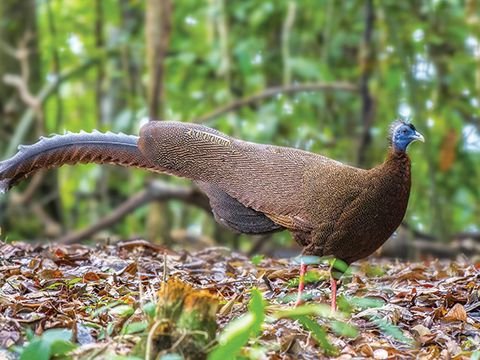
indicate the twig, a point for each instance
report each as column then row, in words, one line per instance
column 269, row 92
column 151, row 334
column 429, row 237
column 156, row 191
column 24, row 198
column 21, row 85
column 47, row 90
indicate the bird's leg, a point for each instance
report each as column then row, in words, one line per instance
column 301, row 283
column 333, row 285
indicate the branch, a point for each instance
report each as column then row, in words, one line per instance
column 269, row 92
column 155, row 191
column 22, row 88
column 429, row 237
column 43, row 95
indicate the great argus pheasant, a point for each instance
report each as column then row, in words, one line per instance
column 331, row 209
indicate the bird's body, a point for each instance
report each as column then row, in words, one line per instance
column 330, row 208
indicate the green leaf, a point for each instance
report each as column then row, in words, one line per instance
column 257, row 259
column 344, row 329
column 134, row 327
column 321, row 310
column 123, row 310
column 390, row 329
column 36, row 350
column 103, row 309
column 310, row 277
column 233, row 338
column 339, row 265
column 237, row 333
column 62, row 347
column 318, row 333
column 348, row 304
column 51, row 342
column 257, row 308
column 150, row 309
column 53, row 335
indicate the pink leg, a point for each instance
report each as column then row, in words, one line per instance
column 333, row 285
column 301, row 283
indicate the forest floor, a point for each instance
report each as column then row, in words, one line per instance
column 107, row 301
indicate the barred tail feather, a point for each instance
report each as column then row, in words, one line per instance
column 72, row 148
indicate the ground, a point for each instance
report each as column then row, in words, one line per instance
column 425, row 310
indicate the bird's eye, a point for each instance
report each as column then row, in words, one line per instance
column 404, row 131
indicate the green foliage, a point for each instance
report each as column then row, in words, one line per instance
column 349, row 304
column 424, row 65
column 352, row 304
column 122, row 310
column 150, row 309
column 390, row 329
column 321, row 310
column 134, row 327
column 237, row 333
column 257, row 259
column 310, row 277
column 307, row 316
column 53, row 342
column 318, row 333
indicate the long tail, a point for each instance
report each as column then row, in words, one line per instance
column 72, row 148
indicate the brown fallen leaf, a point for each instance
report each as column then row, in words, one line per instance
column 48, row 274
column 456, row 313
column 90, row 276
column 423, row 334
column 365, row 349
column 380, row 354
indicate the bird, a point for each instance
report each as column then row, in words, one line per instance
column 330, row 208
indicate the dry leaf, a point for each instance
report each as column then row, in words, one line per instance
column 380, row 354
column 88, row 280
column 423, row 334
column 456, row 313
column 91, row 276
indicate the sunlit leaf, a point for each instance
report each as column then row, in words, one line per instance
column 318, row 333
column 237, row 333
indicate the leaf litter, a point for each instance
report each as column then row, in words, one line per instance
column 108, row 295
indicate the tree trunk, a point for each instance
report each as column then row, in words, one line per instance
column 157, row 31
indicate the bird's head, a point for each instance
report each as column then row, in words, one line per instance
column 402, row 134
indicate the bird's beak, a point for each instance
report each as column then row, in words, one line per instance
column 418, row 137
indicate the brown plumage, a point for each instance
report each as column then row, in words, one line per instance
column 330, row 208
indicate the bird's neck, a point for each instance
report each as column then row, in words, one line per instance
column 397, row 161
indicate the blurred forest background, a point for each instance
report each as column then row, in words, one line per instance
column 322, row 75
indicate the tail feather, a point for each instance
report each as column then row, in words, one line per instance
column 72, row 148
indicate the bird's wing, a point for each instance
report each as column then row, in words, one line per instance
column 266, row 178
column 233, row 214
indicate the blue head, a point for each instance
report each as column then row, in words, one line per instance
column 402, row 134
